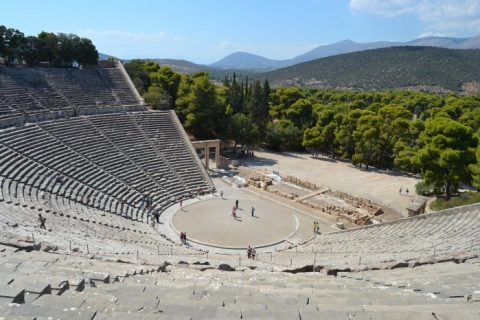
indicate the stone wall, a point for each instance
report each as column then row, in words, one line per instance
column 301, row 183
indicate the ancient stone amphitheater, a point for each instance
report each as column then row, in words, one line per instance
column 80, row 148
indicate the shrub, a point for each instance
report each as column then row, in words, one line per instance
column 424, row 189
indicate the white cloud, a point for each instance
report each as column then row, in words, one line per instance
column 386, row 8
column 435, row 34
column 444, row 17
column 126, row 44
column 132, row 36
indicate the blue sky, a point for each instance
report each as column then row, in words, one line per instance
column 204, row 31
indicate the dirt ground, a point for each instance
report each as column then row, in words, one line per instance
column 377, row 185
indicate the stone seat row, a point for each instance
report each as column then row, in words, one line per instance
column 447, row 233
column 445, row 280
column 188, row 293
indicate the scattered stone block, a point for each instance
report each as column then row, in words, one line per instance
column 225, row 267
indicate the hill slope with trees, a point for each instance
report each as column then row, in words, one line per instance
column 387, row 68
column 430, row 134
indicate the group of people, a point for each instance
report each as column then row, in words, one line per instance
column 401, row 190
column 146, row 202
column 235, row 208
column 183, row 237
column 246, row 154
column 251, row 253
column 59, row 179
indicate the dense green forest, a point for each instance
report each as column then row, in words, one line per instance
column 385, row 68
column 432, row 134
column 59, row 50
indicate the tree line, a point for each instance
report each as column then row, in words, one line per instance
column 59, row 50
column 431, row 134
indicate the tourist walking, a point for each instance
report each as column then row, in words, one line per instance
column 156, row 214
column 249, row 252
column 221, row 194
column 42, row 221
column 253, row 211
column 253, row 254
column 148, row 202
column 236, row 203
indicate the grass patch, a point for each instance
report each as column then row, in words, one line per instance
column 461, row 200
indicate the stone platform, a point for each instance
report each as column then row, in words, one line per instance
column 210, row 222
column 210, row 226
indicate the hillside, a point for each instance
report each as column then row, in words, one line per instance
column 345, row 46
column 244, row 60
column 385, row 68
column 187, row 67
column 182, row 66
column 348, row 46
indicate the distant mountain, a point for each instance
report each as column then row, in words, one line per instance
column 248, row 61
column 344, row 46
column 183, row 66
column 187, row 67
column 104, row 56
column 471, row 43
column 386, row 68
column 441, row 42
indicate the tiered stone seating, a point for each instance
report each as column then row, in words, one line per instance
column 167, row 139
column 106, row 162
column 73, row 226
column 119, row 87
column 445, row 280
column 42, row 286
column 426, row 238
column 39, row 89
column 39, row 160
column 126, row 137
column 15, row 96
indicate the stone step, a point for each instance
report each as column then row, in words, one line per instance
column 46, row 312
column 12, row 294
